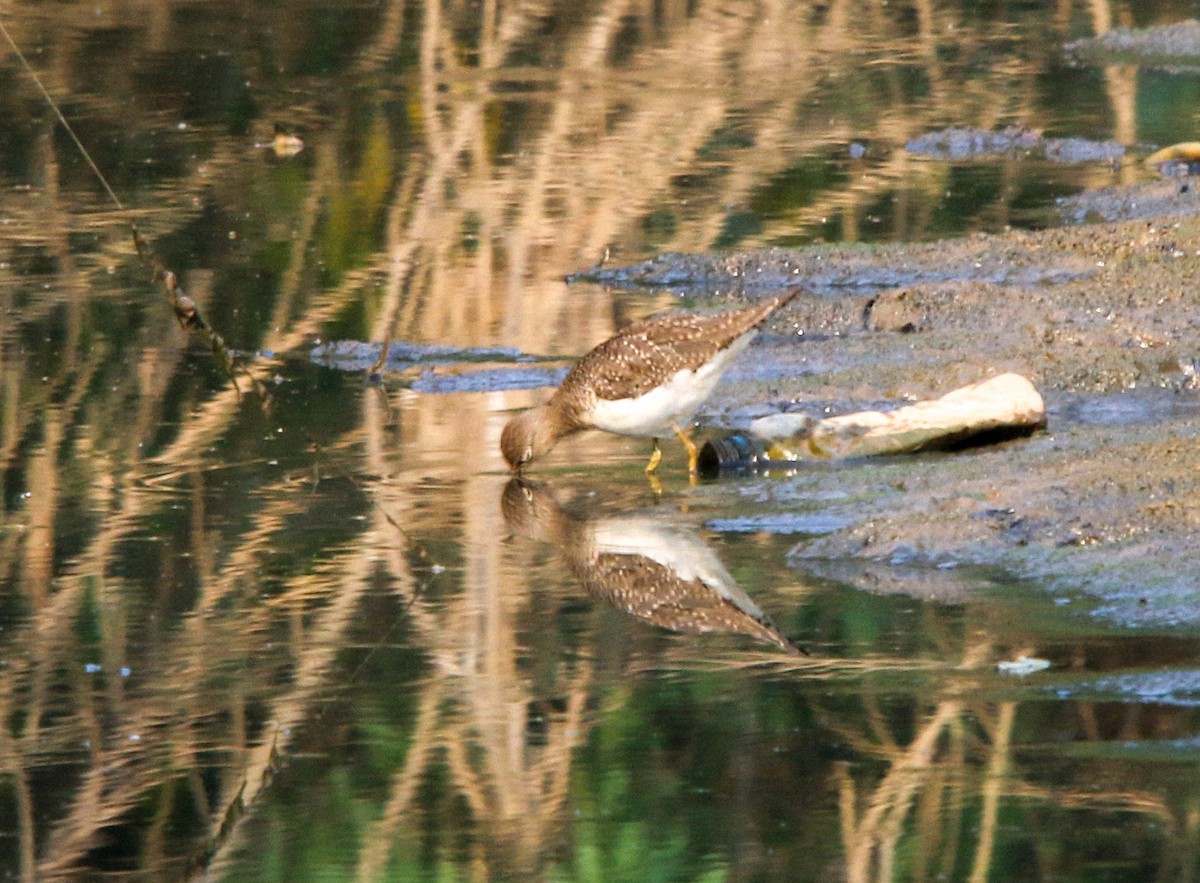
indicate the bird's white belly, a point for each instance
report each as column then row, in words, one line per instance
column 653, row 414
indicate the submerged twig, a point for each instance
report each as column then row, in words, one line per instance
column 186, row 312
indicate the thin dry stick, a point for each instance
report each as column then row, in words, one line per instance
column 185, row 309
column 62, row 119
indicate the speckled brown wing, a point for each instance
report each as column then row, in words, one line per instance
column 642, row 587
column 646, row 354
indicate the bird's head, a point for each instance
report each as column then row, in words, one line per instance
column 528, row 435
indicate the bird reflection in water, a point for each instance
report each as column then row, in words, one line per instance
column 651, row 568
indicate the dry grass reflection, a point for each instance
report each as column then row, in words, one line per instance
column 183, row 574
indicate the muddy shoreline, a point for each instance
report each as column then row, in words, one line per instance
column 1103, row 318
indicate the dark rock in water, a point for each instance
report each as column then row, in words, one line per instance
column 488, row 380
column 355, row 355
column 962, row 143
column 346, row 355
column 957, row 143
column 1169, row 46
column 1073, row 150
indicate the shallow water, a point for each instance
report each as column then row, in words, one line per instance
column 306, row 628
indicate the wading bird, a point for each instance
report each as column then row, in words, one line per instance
column 646, row 381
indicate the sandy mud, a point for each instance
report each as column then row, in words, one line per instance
column 1104, row 318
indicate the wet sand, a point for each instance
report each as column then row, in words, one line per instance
column 1103, row 318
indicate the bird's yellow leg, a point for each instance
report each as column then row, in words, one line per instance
column 655, row 459
column 692, row 450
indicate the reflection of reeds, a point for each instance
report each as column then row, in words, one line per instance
column 474, row 245
column 817, row 667
column 872, row 838
column 585, row 182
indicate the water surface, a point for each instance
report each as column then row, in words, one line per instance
column 287, row 628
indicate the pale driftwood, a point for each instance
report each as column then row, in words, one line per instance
column 1187, row 152
column 1002, row 406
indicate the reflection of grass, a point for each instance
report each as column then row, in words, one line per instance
column 635, row 851
column 809, row 667
column 444, row 205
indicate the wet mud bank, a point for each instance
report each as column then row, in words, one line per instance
column 1103, row 506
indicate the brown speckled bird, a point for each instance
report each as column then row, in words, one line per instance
column 649, row 567
column 647, row 380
